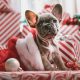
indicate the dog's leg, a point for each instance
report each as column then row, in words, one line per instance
column 58, row 61
column 46, row 63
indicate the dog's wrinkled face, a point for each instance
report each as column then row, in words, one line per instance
column 47, row 26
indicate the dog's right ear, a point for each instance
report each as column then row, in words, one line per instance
column 57, row 11
column 31, row 17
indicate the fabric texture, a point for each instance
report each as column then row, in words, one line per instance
column 4, row 6
column 29, row 53
column 10, row 52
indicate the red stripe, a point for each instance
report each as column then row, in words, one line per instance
column 70, row 28
column 25, row 32
column 67, row 48
column 11, row 14
column 25, row 27
column 63, row 29
column 10, row 25
column 77, row 38
column 2, row 15
column 69, row 43
column 10, row 19
column 8, row 32
column 1, row 7
column 12, row 34
column 75, row 31
column 7, row 17
column 64, row 59
column 6, row 1
column 65, row 54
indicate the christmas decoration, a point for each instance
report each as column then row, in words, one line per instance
column 71, row 21
column 12, row 64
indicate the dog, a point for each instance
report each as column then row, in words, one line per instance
column 47, row 28
column 41, row 53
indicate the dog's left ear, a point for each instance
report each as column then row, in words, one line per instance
column 57, row 11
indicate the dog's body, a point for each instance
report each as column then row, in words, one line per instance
column 47, row 28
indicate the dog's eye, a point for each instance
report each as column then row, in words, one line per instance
column 54, row 21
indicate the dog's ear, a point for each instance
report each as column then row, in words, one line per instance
column 31, row 17
column 57, row 11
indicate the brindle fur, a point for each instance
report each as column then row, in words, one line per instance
column 48, row 25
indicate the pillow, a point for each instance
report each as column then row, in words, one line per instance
column 4, row 7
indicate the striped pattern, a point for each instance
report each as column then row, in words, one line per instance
column 67, row 50
column 2, row 47
column 77, row 37
column 69, row 29
column 4, row 6
column 25, row 30
column 6, row 1
column 70, row 49
column 9, row 26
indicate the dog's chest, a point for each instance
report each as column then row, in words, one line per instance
column 48, row 49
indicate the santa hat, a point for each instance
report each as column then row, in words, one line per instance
column 12, row 42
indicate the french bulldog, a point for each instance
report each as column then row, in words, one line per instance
column 41, row 54
column 47, row 28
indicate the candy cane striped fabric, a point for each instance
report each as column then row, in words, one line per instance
column 69, row 29
column 4, row 6
column 6, row 1
column 70, row 49
column 25, row 30
column 65, row 47
column 2, row 47
column 73, row 30
column 9, row 26
column 9, row 22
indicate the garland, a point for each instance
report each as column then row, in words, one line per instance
column 71, row 21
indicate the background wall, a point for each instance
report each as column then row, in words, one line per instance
column 70, row 6
column 15, row 4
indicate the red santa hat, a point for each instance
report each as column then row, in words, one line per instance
column 12, row 42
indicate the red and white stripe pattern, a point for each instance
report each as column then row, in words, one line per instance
column 9, row 22
column 4, row 6
column 25, row 30
column 69, row 29
column 9, row 26
column 70, row 48
column 72, row 30
column 67, row 50
column 2, row 47
column 77, row 37
column 6, row 1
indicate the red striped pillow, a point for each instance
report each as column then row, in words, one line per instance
column 4, row 7
column 6, row 1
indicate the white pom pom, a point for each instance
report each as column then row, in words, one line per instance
column 12, row 64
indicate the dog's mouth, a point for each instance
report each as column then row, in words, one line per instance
column 49, row 36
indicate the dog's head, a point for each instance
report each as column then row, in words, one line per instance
column 48, row 23
column 47, row 26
